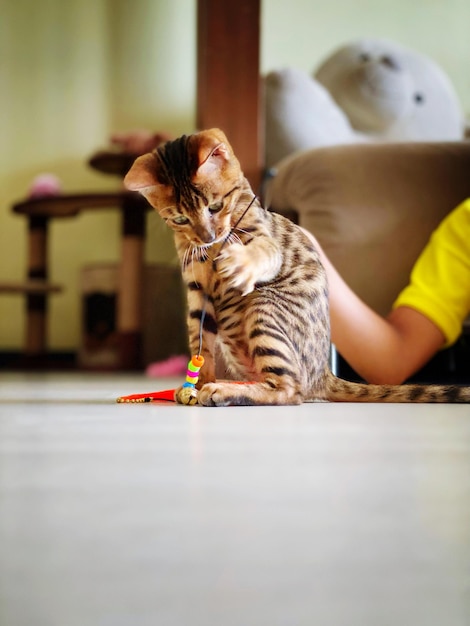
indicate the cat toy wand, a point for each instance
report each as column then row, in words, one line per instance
column 187, row 394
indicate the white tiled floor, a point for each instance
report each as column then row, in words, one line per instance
column 149, row 515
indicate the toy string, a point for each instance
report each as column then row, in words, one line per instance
column 203, row 315
column 204, row 307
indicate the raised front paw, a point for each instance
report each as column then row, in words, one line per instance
column 236, row 267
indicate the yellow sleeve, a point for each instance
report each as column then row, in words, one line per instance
column 439, row 286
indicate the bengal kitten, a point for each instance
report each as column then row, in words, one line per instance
column 256, row 281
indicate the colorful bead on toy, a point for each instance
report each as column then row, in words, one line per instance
column 187, row 393
column 192, row 374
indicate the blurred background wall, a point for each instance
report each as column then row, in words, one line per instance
column 71, row 73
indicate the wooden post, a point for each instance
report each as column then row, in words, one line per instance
column 228, row 77
column 131, row 279
column 36, row 303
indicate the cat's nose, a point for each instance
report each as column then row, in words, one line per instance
column 206, row 235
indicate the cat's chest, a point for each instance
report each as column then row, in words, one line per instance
column 199, row 266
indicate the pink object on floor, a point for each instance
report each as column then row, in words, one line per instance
column 173, row 366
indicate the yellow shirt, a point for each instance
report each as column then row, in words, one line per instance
column 439, row 287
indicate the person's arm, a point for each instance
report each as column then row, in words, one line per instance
column 381, row 350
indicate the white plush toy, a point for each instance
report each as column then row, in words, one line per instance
column 369, row 90
column 300, row 114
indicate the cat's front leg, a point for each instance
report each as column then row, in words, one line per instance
column 242, row 266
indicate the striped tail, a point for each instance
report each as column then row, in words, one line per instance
column 339, row 390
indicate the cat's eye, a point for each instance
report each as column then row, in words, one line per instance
column 180, row 220
column 216, row 207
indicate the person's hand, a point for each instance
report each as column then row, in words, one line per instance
column 139, row 141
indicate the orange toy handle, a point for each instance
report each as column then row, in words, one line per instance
column 153, row 396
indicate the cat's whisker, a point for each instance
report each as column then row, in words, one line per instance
column 186, row 254
column 193, row 253
column 201, row 252
column 234, row 238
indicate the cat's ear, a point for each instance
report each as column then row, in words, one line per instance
column 142, row 174
column 213, row 152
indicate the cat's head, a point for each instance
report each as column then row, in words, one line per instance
column 191, row 183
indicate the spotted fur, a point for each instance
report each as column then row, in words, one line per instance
column 256, row 281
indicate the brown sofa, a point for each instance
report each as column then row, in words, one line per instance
column 373, row 207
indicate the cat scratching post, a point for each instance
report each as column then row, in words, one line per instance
column 39, row 211
column 36, row 289
column 36, row 303
column 131, row 277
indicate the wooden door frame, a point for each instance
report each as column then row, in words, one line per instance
column 228, row 77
